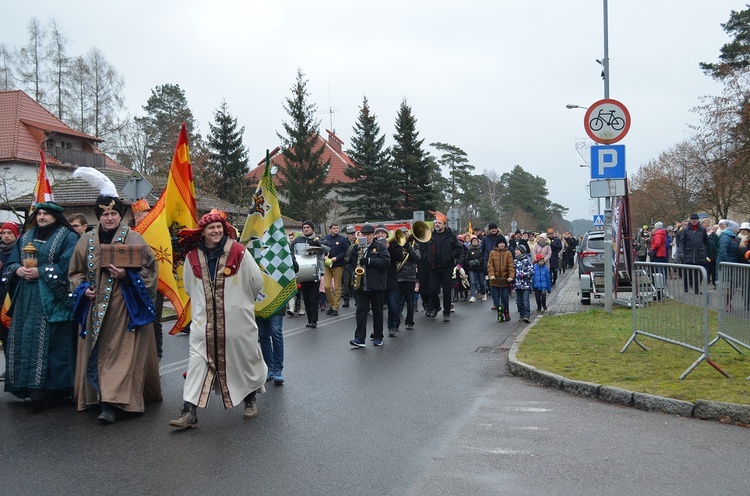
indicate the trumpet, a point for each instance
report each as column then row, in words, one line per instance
column 359, row 271
column 420, row 231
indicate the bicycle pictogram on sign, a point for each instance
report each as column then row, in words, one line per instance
column 607, row 121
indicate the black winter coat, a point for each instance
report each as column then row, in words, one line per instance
column 376, row 265
column 692, row 247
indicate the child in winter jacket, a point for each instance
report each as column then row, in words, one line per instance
column 524, row 277
column 542, row 283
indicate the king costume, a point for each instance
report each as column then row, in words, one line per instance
column 223, row 281
column 41, row 338
column 117, row 360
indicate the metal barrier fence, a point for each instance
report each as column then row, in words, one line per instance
column 733, row 282
column 670, row 303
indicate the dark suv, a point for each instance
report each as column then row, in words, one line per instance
column 591, row 267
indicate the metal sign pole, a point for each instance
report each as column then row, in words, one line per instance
column 608, row 289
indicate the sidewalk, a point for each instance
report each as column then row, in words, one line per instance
column 565, row 299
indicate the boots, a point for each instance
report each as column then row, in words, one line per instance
column 251, row 408
column 188, row 417
column 507, row 315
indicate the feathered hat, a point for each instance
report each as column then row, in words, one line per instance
column 108, row 198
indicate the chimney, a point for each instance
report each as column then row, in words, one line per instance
column 334, row 142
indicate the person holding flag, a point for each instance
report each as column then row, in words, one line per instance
column 266, row 239
column 223, row 282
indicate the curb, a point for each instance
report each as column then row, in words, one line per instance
column 701, row 409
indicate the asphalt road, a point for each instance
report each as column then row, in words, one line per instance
column 431, row 412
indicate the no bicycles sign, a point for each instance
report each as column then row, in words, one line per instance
column 607, row 121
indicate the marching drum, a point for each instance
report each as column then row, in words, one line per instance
column 307, row 259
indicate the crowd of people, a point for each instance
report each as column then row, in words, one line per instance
column 85, row 326
column 387, row 273
column 698, row 243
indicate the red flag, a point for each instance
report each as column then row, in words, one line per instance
column 43, row 188
column 175, row 210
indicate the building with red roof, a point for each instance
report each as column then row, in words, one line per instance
column 333, row 152
column 26, row 128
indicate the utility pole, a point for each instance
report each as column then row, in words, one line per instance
column 608, row 252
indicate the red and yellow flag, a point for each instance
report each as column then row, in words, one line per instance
column 43, row 188
column 175, row 210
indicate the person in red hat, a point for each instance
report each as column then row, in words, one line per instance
column 541, row 282
column 223, row 282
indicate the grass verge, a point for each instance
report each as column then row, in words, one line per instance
column 586, row 346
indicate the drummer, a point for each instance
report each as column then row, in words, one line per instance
column 311, row 243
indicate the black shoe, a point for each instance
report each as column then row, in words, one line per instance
column 346, row 304
column 308, row 325
column 313, row 325
column 446, row 318
column 329, row 311
column 335, row 313
column 526, row 319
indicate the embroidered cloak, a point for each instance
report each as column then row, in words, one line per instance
column 41, row 338
column 224, row 348
column 115, row 365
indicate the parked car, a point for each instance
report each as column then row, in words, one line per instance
column 591, row 267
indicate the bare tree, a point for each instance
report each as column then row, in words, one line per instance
column 80, row 105
column 31, row 61
column 7, row 77
column 105, row 94
column 58, row 72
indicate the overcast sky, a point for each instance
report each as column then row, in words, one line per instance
column 491, row 77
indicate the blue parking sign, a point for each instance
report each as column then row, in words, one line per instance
column 608, row 162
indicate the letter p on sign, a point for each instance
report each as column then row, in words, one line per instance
column 608, row 162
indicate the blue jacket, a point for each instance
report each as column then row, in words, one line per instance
column 542, row 279
column 524, row 272
column 339, row 245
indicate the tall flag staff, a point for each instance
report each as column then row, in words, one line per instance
column 266, row 239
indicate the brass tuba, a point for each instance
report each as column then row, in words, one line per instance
column 398, row 237
column 420, row 231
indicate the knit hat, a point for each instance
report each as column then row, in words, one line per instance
column 694, row 216
column 308, row 223
column 659, row 225
column 732, row 226
column 381, row 227
column 539, row 256
column 745, row 225
column 522, row 249
column 11, row 226
column 500, row 239
column 492, row 226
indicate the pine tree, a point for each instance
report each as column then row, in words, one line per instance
column 227, row 157
column 415, row 171
column 373, row 194
column 459, row 169
column 304, row 173
column 166, row 110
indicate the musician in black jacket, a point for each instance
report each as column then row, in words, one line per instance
column 442, row 253
column 309, row 289
column 374, row 259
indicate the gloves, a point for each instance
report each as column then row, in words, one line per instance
column 314, row 242
column 363, row 261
